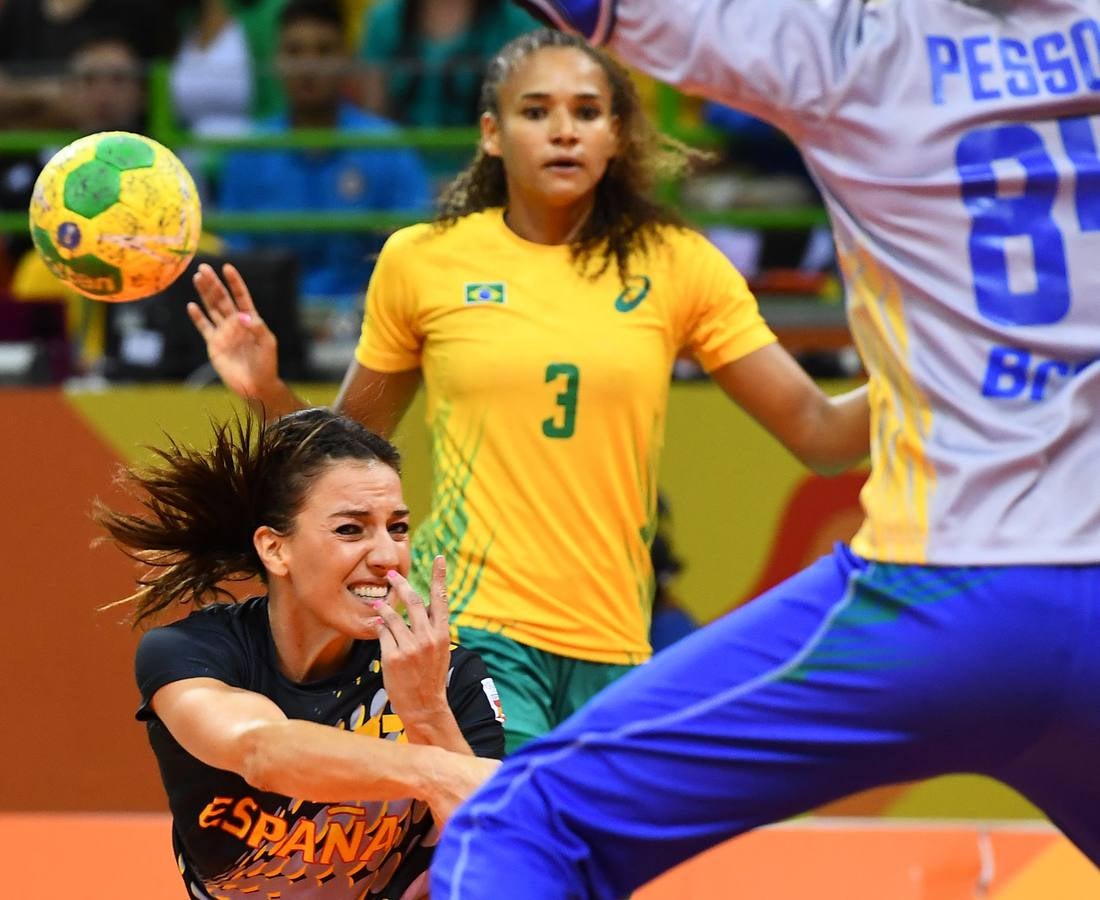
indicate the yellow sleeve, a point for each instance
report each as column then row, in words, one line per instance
column 721, row 321
column 391, row 338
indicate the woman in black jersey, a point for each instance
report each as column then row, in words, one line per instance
column 310, row 739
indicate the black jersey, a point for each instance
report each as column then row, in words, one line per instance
column 232, row 840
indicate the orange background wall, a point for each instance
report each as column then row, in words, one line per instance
column 66, row 693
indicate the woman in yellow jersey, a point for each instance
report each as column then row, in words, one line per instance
column 543, row 310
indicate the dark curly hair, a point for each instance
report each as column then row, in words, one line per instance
column 202, row 507
column 624, row 216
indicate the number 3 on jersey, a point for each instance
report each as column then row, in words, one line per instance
column 565, row 423
column 1029, row 214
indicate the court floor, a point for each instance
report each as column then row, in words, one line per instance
column 93, row 856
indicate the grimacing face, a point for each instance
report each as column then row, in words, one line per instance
column 352, row 528
column 554, row 131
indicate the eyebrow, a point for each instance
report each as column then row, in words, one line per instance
column 543, row 95
column 364, row 513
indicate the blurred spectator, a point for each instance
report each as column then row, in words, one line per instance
column 315, row 65
column 260, row 19
column 425, row 58
column 211, row 83
column 106, row 85
column 670, row 622
column 211, row 73
column 258, row 23
column 101, row 90
column 38, row 36
column 104, row 91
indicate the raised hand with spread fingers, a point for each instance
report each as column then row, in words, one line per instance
column 242, row 349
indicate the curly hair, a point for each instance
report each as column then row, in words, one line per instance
column 624, row 215
column 202, row 507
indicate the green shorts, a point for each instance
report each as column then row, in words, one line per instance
column 537, row 689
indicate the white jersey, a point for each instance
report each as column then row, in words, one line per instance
column 955, row 145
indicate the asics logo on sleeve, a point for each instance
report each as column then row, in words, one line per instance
column 636, row 290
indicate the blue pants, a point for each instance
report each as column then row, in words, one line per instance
column 847, row 676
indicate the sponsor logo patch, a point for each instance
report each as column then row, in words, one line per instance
column 494, row 699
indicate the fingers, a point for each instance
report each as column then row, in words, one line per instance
column 438, row 610
column 215, row 298
column 241, row 294
column 386, row 640
column 414, row 605
column 202, row 323
column 211, row 331
column 426, row 626
column 392, row 626
column 220, row 312
column 224, row 298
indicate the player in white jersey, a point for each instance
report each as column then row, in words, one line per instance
column 956, row 146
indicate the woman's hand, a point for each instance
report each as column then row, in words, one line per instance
column 241, row 347
column 416, row 657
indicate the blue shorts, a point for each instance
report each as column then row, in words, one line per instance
column 848, row 676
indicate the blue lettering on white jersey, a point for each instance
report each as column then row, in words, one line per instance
column 956, row 148
column 988, row 67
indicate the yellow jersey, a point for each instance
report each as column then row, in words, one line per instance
column 546, row 399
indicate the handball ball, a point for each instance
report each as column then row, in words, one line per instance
column 115, row 216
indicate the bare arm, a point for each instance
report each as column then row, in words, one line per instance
column 377, row 399
column 246, row 733
column 828, row 434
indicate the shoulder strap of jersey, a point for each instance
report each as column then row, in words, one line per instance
column 592, row 19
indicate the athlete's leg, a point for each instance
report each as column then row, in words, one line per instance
column 1058, row 771
column 843, row 678
column 1062, row 781
column 522, row 679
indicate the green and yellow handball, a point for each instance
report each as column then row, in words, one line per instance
column 115, row 216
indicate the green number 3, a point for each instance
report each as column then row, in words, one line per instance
column 567, row 400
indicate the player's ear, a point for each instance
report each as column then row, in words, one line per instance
column 271, row 547
column 490, row 134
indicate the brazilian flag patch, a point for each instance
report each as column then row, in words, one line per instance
column 485, row 292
